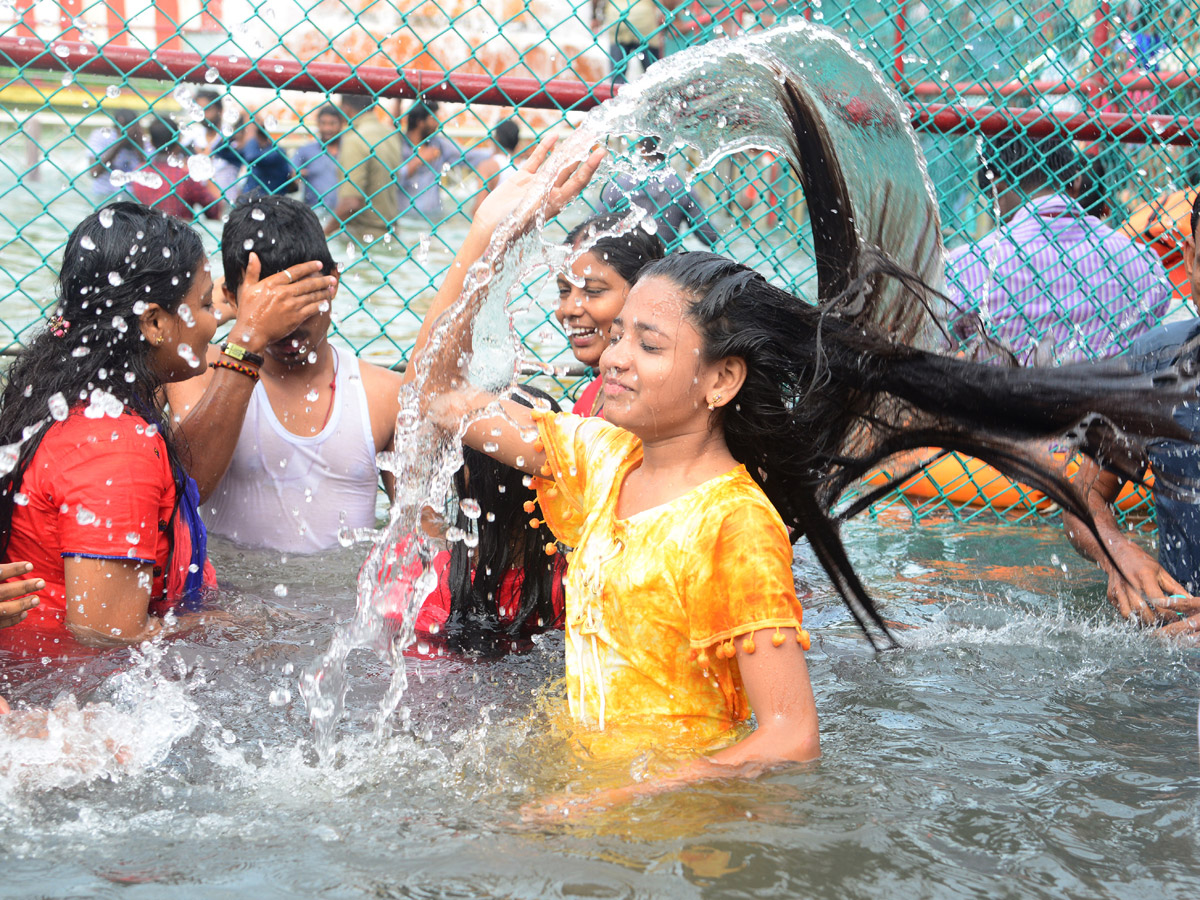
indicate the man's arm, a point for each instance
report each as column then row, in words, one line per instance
column 208, row 413
column 1137, row 585
column 382, row 387
column 352, row 195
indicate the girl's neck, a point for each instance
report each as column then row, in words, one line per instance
column 673, row 466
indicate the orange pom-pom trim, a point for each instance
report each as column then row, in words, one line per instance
column 702, row 659
column 552, row 548
column 803, row 639
column 777, row 638
column 539, row 447
column 546, row 469
column 535, row 523
column 747, row 644
column 529, row 506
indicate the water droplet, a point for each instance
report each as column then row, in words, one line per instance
column 84, row 516
column 211, row 74
column 248, row 244
column 20, row 499
column 188, row 355
column 345, row 537
column 112, row 91
column 281, row 590
column 455, row 534
column 58, row 406
column 200, row 168
column 470, row 507
column 185, row 313
column 490, row 446
column 280, row 697
column 115, row 279
column 258, row 215
column 133, row 537
column 62, row 51
column 312, row 395
column 407, row 419
column 105, row 217
column 87, row 243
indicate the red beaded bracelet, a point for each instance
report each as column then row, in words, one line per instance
column 236, row 367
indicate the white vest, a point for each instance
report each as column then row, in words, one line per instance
column 291, row 493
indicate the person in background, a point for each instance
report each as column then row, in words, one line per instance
column 1051, row 283
column 290, row 460
column 662, row 197
column 317, row 162
column 268, row 170
column 369, row 156
column 117, row 148
column 1090, row 187
column 174, row 192
column 498, row 166
column 1141, row 586
column 591, row 292
column 493, row 597
column 629, row 30
column 208, row 137
column 427, row 154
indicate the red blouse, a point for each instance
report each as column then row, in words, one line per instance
column 97, row 488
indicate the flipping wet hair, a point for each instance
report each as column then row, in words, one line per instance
column 827, row 398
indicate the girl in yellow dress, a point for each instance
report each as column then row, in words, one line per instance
column 737, row 414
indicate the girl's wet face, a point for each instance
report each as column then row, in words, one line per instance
column 590, row 294
column 189, row 330
column 655, row 379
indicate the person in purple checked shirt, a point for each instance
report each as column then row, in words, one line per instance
column 1052, row 283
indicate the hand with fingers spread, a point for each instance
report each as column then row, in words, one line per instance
column 16, row 597
column 568, row 183
column 271, row 308
column 1141, row 589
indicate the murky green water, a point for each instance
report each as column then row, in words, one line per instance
column 1023, row 744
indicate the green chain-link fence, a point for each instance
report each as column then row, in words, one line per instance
column 1117, row 83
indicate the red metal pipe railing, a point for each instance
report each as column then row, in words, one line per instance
column 177, row 65
column 1138, row 128
column 1130, row 81
column 288, row 74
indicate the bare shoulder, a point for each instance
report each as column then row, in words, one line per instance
column 382, row 387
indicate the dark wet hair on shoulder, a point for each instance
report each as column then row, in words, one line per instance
column 116, row 260
column 626, row 252
column 828, row 398
column 282, row 231
column 508, row 543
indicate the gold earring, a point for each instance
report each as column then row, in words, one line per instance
column 712, row 404
column 160, row 339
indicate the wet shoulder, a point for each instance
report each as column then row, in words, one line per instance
column 733, row 504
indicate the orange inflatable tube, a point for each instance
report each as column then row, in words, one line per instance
column 964, row 481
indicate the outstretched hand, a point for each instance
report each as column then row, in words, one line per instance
column 1143, row 590
column 16, row 597
column 568, row 184
column 271, row 308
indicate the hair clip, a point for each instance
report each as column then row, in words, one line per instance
column 58, row 325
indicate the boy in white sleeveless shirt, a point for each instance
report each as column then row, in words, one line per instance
column 301, row 456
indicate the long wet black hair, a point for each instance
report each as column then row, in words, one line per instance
column 627, row 253
column 827, row 398
column 507, row 540
column 116, row 259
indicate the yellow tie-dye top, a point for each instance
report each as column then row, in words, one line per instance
column 655, row 602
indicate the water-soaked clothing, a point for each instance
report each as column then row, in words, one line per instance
column 102, row 489
column 656, row 600
column 286, row 492
column 1175, row 462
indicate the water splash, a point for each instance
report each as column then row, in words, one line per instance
column 800, row 92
